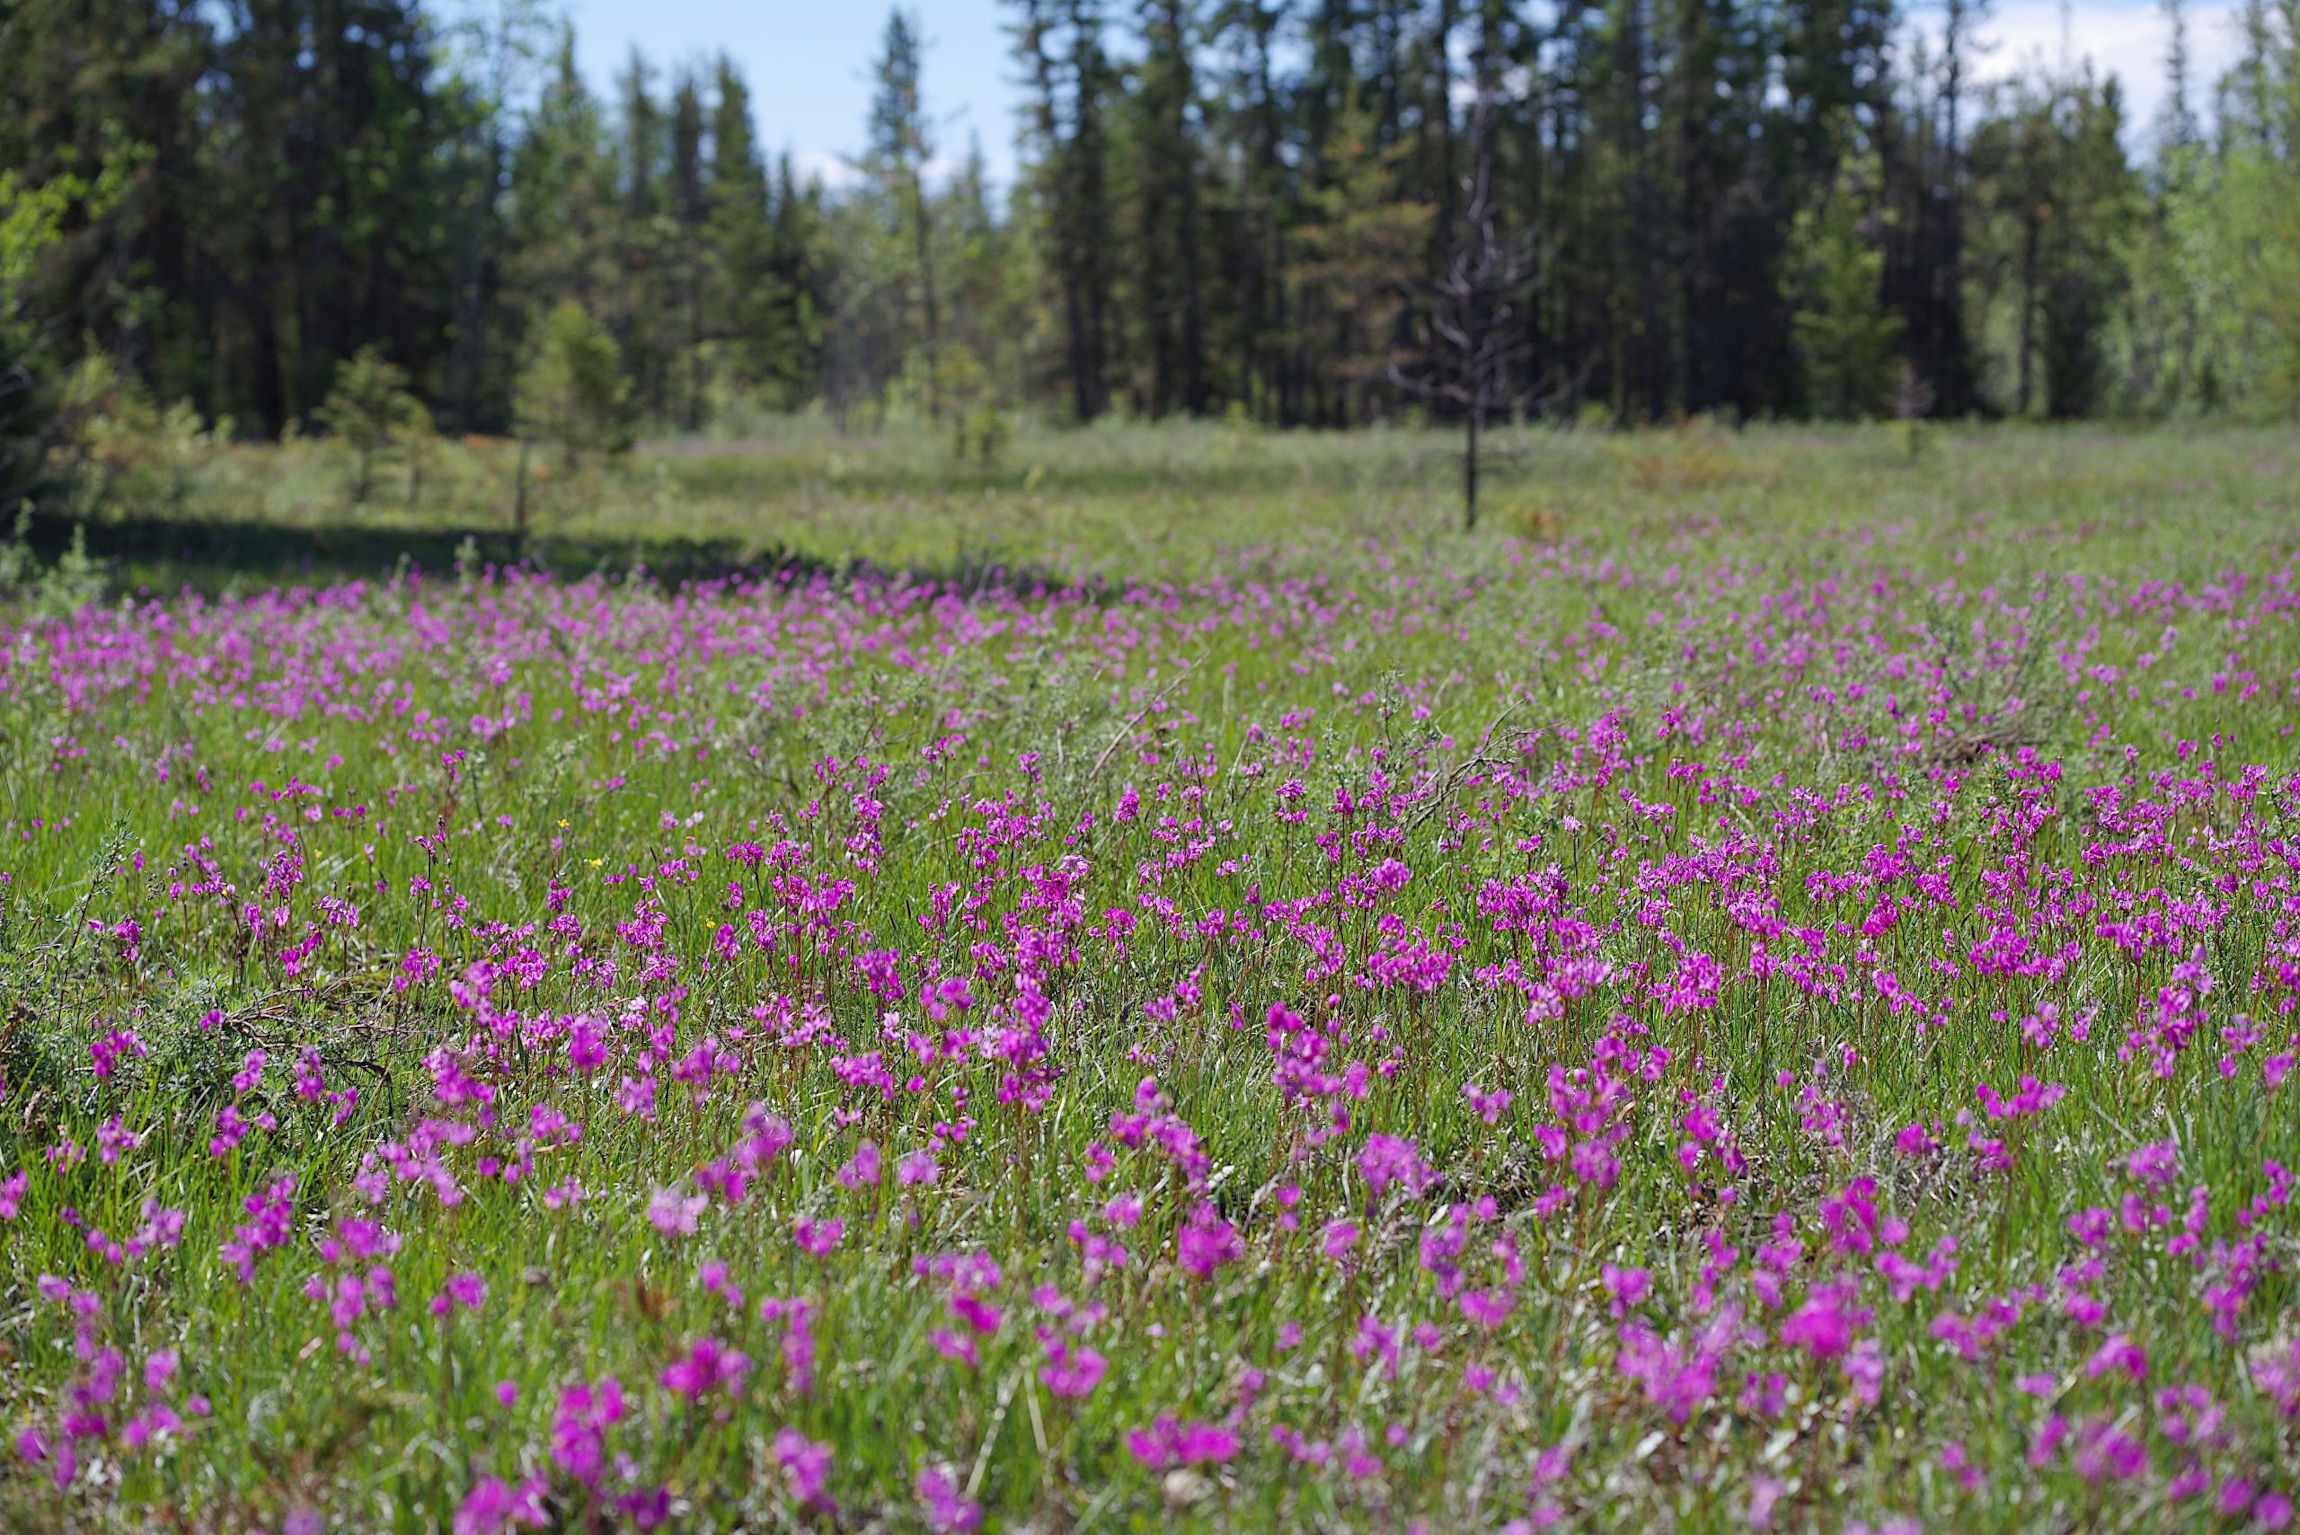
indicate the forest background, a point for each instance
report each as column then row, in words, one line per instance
column 364, row 219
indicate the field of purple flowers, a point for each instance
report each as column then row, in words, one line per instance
column 1767, row 1031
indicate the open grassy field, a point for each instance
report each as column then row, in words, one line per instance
column 1158, row 985
column 1129, row 501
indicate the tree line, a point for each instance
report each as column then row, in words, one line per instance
column 1253, row 207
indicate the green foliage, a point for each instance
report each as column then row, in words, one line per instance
column 75, row 579
column 2060, row 202
column 31, row 223
column 369, row 411
column 759, row 313
column 1142, row 500
column 2086, row 222
column 1220, row 204
column 121, row 451
column 24, row 415
column 2214, row 318
column 1845, row 335
column 1353, row 260
column 572, row 392
column 979, row 430
column 291, row 199
column 2240, row 235
column 30, row 218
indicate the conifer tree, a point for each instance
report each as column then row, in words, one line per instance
column 573, row 392
column 901, row 144
column 1845, row 336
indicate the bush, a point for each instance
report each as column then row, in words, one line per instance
column 1845, row 335
column 119, row 450
column 24, row 418
column 28, row 222
column 572, row 391
column 31, row 218
column 370, row 411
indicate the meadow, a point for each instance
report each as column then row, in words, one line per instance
column 1155, row 983
column 1121, row 501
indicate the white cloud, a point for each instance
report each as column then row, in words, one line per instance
column 2129, row 40
column 835, row 171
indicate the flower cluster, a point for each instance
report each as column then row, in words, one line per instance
column 1619, row 1041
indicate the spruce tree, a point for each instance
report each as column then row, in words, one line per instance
column 1844, row 334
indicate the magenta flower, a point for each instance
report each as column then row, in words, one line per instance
column 1072, row 1370
column 2118, row 1352
column 106, row 1054
column 1206, row 1242
column 863, row 1169
column 1170, row 1441
column 707, row 1365
column 468, row 1291
column 1388, row 1160
column 1765, row 1494
column 579, row 1427
column 675, row 1214
column 2276, row 1373
column 806, row 1466
column 1624, row 1288
column 493, row 1505
column 817, row 1238
column 948, row 1511
column 1487, row 1308
column 1826, row 1324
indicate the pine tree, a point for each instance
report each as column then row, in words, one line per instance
column 1357, row 262
column 573, row 392
column 562, row 223
column 369, row 409
column 1240, row 201
column 1168, row 278
column 643, row 311
column 747, row 305
column 900, row 147
column 31, row 224
column 688, row 264
column 1072, row 82
column 1844, row 334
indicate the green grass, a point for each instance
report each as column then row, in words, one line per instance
column 1133, row 502
column 1707, row 679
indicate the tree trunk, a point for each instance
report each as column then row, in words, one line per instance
column 926, row 284
column 1193, row 301
column 2028, row 259
column 519, row 505
column 1469, row 465
column 469, row 302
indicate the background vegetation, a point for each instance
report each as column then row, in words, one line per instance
column 1167, row 501
column 1245, row 207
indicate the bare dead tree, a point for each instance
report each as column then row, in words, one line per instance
column 1474, row 340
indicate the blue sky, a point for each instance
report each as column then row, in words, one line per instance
column 808, row 61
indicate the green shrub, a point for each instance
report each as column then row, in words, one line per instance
column 572, row 391
column 371, row 411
